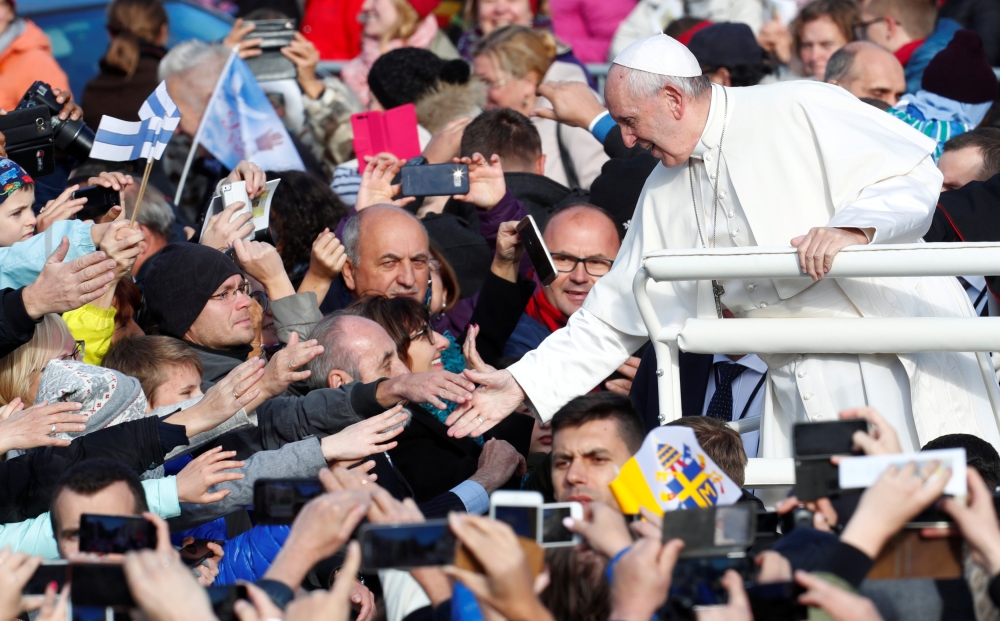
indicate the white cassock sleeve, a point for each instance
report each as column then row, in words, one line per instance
column 580, row 354
column 899, row 209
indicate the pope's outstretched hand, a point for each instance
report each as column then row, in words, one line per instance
column 497, row 395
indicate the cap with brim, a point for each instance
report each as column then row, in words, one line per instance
column 662, row 55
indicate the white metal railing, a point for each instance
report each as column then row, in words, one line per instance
column 812, row 335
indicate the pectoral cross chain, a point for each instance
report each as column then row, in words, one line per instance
column 718, row 291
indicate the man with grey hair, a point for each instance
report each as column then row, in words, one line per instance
column 867, row 71
column 388, row 253
column 191, row 70
column 155, row 220
column 793, row 163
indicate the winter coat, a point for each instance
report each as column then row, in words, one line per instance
column 588, row 25
column 249, row 555
column 26, row 57
column 115, row 93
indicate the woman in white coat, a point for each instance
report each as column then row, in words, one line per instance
column 511, row 62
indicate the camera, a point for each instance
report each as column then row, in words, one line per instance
column 73, row 137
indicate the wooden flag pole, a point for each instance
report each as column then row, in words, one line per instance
column 142, row 190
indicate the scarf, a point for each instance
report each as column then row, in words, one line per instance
column 928, row 106
column 541, row 310
column 454, row 362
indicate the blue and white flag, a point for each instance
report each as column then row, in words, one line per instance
column 240, row 123
column 123, row 141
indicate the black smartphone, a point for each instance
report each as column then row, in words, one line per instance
column 402, row 546
column 46, row 574
column 278, row 501
column 197, row 551
column 100, row 585
column 435, row 179
column 826, row 439
column 223, row 599
column 816, row 478
column 698, row 581
column 539, row 254
column 99, row 201
column 115, row 534
column 712, row 531
column 778, row 601
column 271, row 64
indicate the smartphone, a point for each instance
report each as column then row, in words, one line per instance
column 435, row 179
column 553, row 533
column 767, row 523
column 910, row 555
column 402, row 546
column 519, row 510
column 99, row 201
column 98, row 584
column 826, row 439
column 115, row 534
column 194, row 553
column 698, row 581
column 278, row 501
column 777, row 601
column 712, row 531
column 57, row 571
column 223, row 599
column 816, row 478
column 539, row 254
column 271, row 64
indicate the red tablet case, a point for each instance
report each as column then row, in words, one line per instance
column 393, row 131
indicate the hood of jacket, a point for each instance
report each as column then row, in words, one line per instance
column 106, row 396
column 31, row 38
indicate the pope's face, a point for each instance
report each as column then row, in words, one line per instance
column 661, row 123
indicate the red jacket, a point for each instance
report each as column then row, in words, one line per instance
column 333, row 27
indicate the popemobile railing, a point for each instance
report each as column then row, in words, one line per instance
column 813, row 335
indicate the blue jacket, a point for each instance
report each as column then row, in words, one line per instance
column 528, row 335
column 939, row 39
column 248, row 556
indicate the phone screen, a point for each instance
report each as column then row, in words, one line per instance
column 553, row 530
column 99, row 201
column 46, row 574
column 115, row 534
column 400, row 546
column 99, row 585
column 827, row 438
column 534, row 245
column 524, row 520
column 278, row 501
column 778, row 601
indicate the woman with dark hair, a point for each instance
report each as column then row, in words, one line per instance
column 418, row 345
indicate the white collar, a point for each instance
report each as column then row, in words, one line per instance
column 750, row 361
column 713, row 126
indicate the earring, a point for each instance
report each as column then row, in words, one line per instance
column 524, row 102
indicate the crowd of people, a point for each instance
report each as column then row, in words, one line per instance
column 376, row 342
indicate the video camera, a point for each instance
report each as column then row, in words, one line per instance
column 34, row 131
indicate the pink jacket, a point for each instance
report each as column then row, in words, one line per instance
column 588, row 25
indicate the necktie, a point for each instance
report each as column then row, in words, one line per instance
column 721, row 405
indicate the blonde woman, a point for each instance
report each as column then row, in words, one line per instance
column 21, row 370
column 511, row 62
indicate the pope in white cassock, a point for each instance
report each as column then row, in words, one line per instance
column 795, row 162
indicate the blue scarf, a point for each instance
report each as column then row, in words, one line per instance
column 454, row 362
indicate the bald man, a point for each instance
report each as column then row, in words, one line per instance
column 388, row 253
column 867, row 71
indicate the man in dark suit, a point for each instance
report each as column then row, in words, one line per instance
column 442, row 474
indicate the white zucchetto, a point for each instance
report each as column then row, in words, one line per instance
column 662, row 55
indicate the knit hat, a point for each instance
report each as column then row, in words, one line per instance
column 405, row 75
column 107, row 397
column 726, row 44
column 12, row 178
column 961, row 71
column 181, row 279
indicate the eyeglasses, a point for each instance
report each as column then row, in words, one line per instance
column 243, row 288
column 861, row 29
column 77, row 353
column 425, row 331
column 593, row 266
column 490, row 86
column 261, row 298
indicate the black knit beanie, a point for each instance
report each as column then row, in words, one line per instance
column 179, row 283
column 961, row 72
column 405, row 75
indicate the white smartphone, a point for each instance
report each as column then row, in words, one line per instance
column 237, row 192
column 522, row 511
column 553, row 533
column 864, row 471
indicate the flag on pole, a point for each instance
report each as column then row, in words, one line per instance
column 240, row 123
column 670, row 472
column 123, row 141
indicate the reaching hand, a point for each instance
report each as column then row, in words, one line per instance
column 223, row 400
column 116, row 180
column 194, row 481
column 280, row 372
column 221, row 232
column 486, row 181
column 328, row 257
column 818, row 248
column 498, row 462
column 252, row 174
column 429, row 387
column 446, row 144
column 896, row 498
column 774, row 37
column 978, row 522
column 237, row 36
column 573, row 103
column 603, row 528
column 25, row 429
column 881, row 440
column 164, row 588
column 16, row 568
column 642, row 578
column 472, row 357
column 304, row 54
column 62, row 287
column 836, row 602
column 507, row 583
column 62, row 207
column 376, row 182
column 368, row 437
column 262, row 261
column 496, row 397
column 624, row 385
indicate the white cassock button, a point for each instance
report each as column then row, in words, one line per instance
column 711, row 175
column 807, row 396
column 802, row 373
column 731, row 213
column 763, row 305
column 751, row 286
column 723, row 194
column 734, row 233
column 708, row 156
